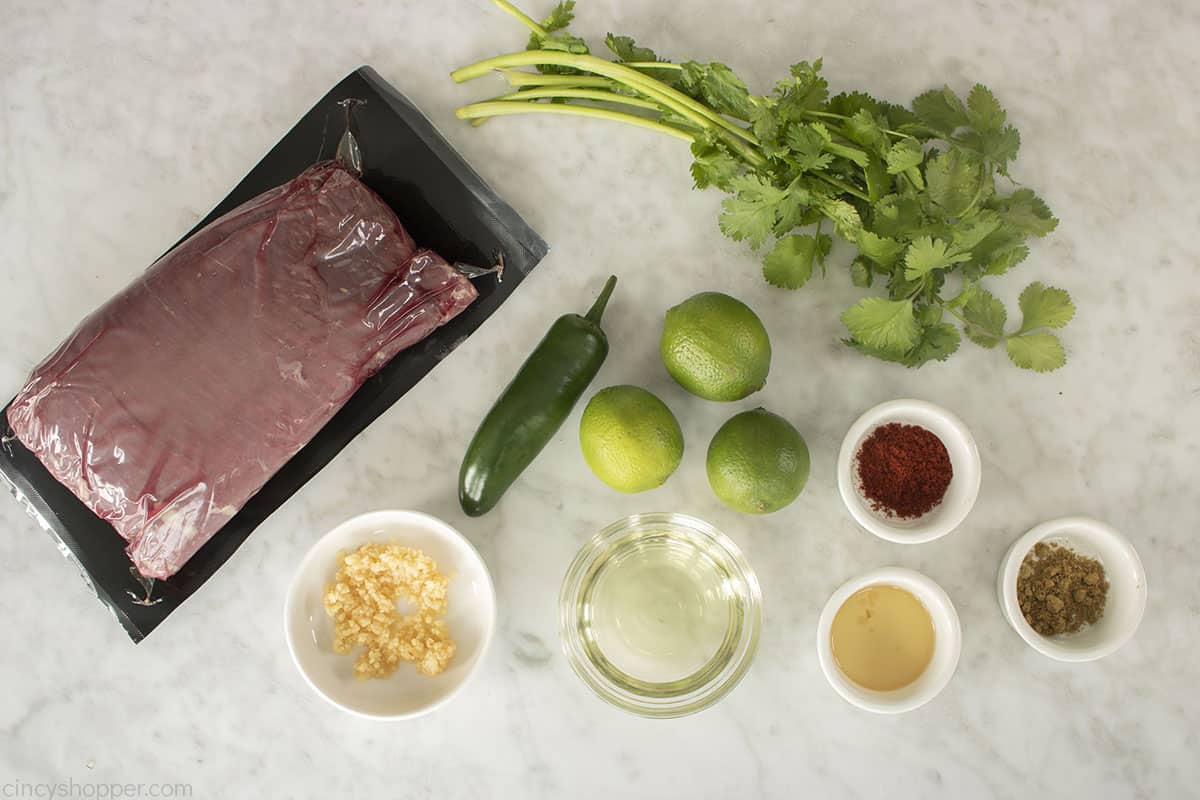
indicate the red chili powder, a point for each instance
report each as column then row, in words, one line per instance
column 904, row 470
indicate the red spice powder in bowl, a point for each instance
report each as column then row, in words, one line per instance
column 909, row 471
column 903, row 470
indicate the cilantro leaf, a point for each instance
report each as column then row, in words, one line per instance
column 806, row 91
column 998, row 147
column 1040, row 352
column 983, row 110
column 1004, row 260
column 1002, row 147
column 926, row 254
column 562, row 16
column 564, row 42
column 904, row 154
column 726, row 92
column 768, row 127
column 626, row 49
column 1001, row 249
column 844, row 216
column 750, row 215
column 884, row 325
column 929, row 314
column 937, row 342
column 765, row 122
column 986, row 317
column 879, row 182
column 807, row 144
column 864, row 129
column 859, row 157
column 897, row 116
column 1026, row 212
column 713, row 165
column 953, row 179
column 719, row 87
column 880, row 249
column 941, row 111
column 558, row 20
column 877, row 352
column 968, row 234
column 860, row 272
column 793, row 210
column 691, row 76
column 1044, row 307
column 790, row 264
column 897, row 216
column 847, row 104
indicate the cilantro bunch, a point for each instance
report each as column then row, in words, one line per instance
column 913, row 188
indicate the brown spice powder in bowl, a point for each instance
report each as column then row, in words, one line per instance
column 1060, row 591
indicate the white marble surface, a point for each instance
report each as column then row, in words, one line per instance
column 120, row 125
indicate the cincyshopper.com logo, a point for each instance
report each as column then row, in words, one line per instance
column 93, row 790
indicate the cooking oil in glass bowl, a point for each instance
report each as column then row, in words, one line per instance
column 660, row 614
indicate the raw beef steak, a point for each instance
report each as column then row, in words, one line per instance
column 174, row 402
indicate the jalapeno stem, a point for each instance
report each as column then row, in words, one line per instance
column 597, row 310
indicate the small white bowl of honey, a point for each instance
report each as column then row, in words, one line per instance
column 889, row 641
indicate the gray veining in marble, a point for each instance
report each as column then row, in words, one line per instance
column 121, row 123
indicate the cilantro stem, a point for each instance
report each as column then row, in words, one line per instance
column 581, row 94
column 529, row 22
column 978, row 193
column 845, row 187
column 954, row 313
column 699, row 113
column 831, row 115
column 966, row 322
column 519, row 78
column 855, row 154
column 652, row 65
column 497, row 108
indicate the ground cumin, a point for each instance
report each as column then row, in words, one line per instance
column 1060, row 591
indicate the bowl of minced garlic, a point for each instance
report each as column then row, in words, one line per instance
column 1073, row 589
column 390, row 614
column 364, row 600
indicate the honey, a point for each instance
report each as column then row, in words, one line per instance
column 882, row 638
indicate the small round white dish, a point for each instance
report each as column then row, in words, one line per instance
column 947, row 643
column 1123, row 608
column 470, row 617
column 960, row 495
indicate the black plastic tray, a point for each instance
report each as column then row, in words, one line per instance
column 442, row 202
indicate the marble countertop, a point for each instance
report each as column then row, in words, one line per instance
column 122, row 123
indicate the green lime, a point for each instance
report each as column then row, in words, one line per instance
column 716, row 347
column 630, row 439
column 757, row 462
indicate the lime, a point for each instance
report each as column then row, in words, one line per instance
column 757, row 462
column 716, row 347
column 630, row 439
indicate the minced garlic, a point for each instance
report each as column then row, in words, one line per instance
column 363, row 602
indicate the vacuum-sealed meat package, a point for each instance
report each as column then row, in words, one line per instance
column 173, row 403
column 181, row 414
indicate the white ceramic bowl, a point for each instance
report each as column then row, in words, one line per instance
column 947, row 644
column 1123, row 608
column 470, row 617
column 960, row 495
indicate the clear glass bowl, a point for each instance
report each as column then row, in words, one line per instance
column 660, row 614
